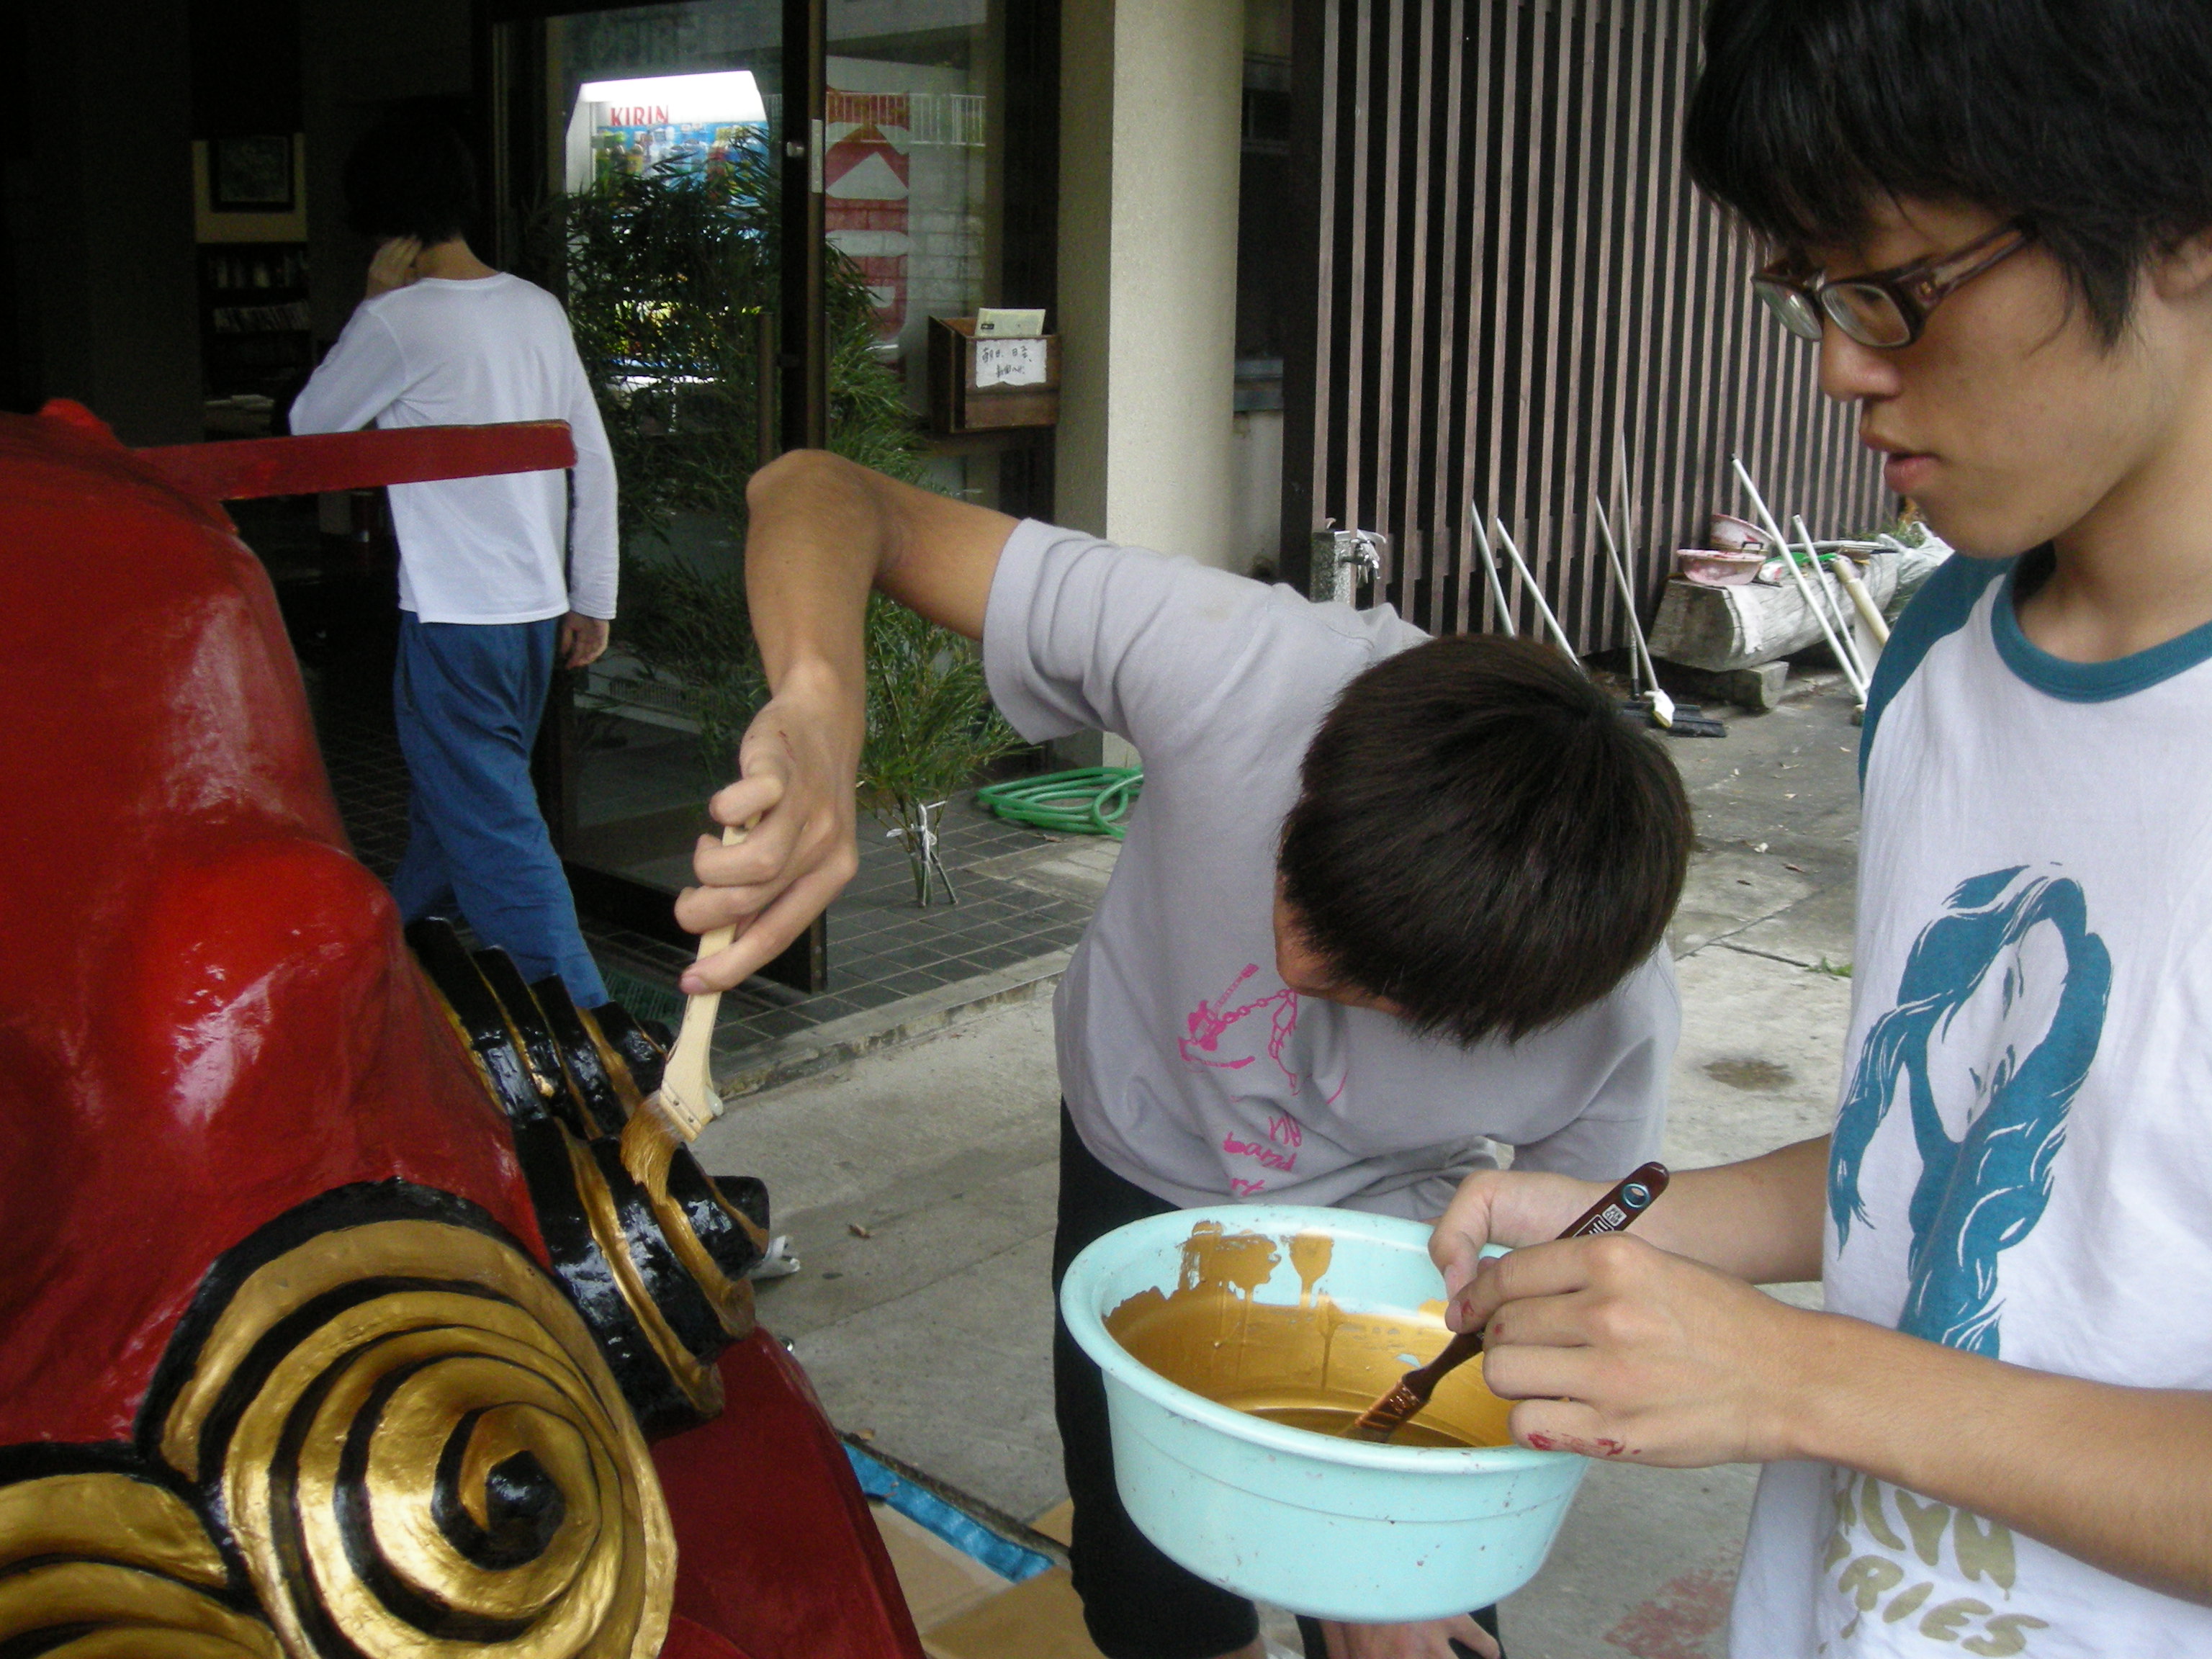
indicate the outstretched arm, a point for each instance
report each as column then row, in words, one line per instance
column 824, row 532
column 1651, row 1347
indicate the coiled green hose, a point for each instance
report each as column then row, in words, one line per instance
column 1092, row 800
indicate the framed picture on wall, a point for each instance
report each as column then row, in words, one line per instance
column 250, row 175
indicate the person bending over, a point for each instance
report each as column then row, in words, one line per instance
column 489, row 597
column 1387, row 904
column 1997, row 221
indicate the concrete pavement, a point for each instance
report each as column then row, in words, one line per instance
column 917, row 1186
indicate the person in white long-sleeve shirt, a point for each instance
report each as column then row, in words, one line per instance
column 498, row 576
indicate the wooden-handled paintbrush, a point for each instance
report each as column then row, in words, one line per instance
column 1629, row 1198
column 686, row 1098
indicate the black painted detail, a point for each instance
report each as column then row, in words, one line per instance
column 357, row 1527
column 477, row 1007
column 543, row 1148
column 679, row 1295
column 747, row 1195
column 523, row 1506
column 358, row 1205
column 628, row 1039
column 587, row 1073
column 523, row 1033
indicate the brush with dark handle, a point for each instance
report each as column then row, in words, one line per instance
column 1629, row 1197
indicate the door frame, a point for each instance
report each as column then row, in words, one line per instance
column 511, row 62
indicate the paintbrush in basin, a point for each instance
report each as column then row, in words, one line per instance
column 1631, row 1196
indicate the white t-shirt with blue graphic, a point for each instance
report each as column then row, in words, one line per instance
column 2021, row 1165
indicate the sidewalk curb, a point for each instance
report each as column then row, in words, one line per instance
column 840, row 1041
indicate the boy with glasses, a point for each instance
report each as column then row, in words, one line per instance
column 1996, row 221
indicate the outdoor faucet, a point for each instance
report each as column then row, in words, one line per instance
column 1349, row 557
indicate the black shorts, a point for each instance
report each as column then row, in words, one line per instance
column 1137, row 1603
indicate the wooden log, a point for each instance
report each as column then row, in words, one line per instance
column 1724, row 629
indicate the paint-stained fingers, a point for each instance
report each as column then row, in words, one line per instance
column 1568, row 1425
column 1526, row 1370
column 1552, row 1270
column 1614, row 1263
column 1568, row 1319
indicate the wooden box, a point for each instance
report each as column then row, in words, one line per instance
column 990, row 384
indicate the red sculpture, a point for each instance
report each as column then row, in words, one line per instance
column 338, row 1306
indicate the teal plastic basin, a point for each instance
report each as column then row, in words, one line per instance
column 1331, row 1528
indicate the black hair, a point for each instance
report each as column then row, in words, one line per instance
column 2089, row 120
column 1482, row 839
column 411, row 177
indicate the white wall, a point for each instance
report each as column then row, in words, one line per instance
column 1151, row 101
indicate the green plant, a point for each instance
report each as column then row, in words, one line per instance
column 931, row 729
column 671, row 279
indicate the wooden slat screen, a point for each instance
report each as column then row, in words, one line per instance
column 1510, row 268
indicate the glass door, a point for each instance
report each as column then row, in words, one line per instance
column 753, row 209
column 648, row 179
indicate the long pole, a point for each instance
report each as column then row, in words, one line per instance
column 1536, row 594
column 1869, row 612
column 1833, row 598
column 1847, row 576
column 1490, row 570
column 1662, row 706
column 1804, row 592
column 1624, row 467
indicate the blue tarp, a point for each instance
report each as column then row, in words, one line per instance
column 955, row 1526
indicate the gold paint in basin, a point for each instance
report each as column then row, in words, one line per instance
column 1314, row 1365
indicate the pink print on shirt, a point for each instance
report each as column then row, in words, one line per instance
column 1224, row 1034
column 1284, row 1131
column 1210, row 1022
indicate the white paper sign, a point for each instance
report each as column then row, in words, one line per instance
column 1010, row 362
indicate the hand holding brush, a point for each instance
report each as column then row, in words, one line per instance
column 1629, row 1198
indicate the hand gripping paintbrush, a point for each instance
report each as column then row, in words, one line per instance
column 1628, row 1200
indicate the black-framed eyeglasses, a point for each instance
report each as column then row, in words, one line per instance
column 1885, row 309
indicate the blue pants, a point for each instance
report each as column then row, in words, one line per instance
column 468, row 697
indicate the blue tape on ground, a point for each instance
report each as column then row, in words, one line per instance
column 956, row 1527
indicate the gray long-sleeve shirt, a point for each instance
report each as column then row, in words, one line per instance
column 1188, row 1067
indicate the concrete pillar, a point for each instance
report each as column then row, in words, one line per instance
column 1151, row 105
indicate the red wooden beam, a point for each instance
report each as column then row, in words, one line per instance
column 247, row 467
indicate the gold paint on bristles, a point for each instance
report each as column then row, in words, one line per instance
column 1387, row 1415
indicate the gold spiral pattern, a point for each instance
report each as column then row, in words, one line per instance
column 421, row 1453
column 97, row 1564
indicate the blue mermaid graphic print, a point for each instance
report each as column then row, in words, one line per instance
column 1998, row 1015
